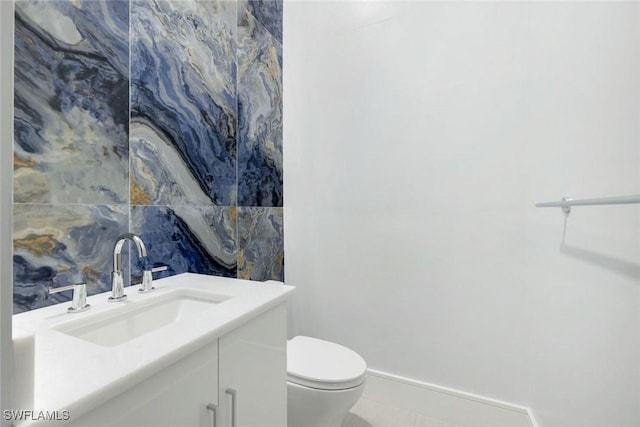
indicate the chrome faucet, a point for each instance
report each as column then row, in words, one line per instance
column 117, row 284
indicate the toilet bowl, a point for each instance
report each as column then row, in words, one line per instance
column 324, row 381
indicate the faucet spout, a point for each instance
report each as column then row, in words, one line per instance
column 117, row 249
column 117, row 283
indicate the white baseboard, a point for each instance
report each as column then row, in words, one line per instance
column 453, row 406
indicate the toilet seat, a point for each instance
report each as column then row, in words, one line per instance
column 323, row 365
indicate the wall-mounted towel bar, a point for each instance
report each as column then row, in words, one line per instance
column 566, row 202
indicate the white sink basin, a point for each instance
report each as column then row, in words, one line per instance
column 139, row 318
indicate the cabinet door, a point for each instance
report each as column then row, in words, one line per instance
column 253, row 363
column 176, row 396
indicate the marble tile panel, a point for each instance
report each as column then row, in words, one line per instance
column 260, row 243
column 269, row 14
column 184, row 103
column 71, row 102
column 259, row 112
column 57, row 245
column 188, row 238
column 205, row 135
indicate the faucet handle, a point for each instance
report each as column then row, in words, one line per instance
column 147, row 278
column 79, row 300
column 160, row 268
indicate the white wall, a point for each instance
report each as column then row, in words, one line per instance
column 418, row 137
column 6, row 170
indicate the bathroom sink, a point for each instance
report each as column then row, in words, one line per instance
column 82, row 360
column 139, row 318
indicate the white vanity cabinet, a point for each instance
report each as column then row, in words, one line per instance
column 253, row 373
column 242, row 373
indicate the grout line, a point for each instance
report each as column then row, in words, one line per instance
column 129, row 37
column 237, row 88
column 130, row 209
column 125, row 204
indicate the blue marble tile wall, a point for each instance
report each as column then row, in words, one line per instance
column 163, row 118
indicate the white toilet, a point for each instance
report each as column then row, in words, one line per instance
column 324, row 380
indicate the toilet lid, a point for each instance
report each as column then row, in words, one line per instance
column 324, row 365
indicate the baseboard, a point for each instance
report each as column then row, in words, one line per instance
column 452, row 406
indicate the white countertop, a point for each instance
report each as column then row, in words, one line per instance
column 78, row 376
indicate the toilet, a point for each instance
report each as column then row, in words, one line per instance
column 324, row 380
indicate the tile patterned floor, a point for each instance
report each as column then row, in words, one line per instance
column 369, row 413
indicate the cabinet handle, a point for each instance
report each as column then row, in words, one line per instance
column 234, row 416
column 211, row 407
